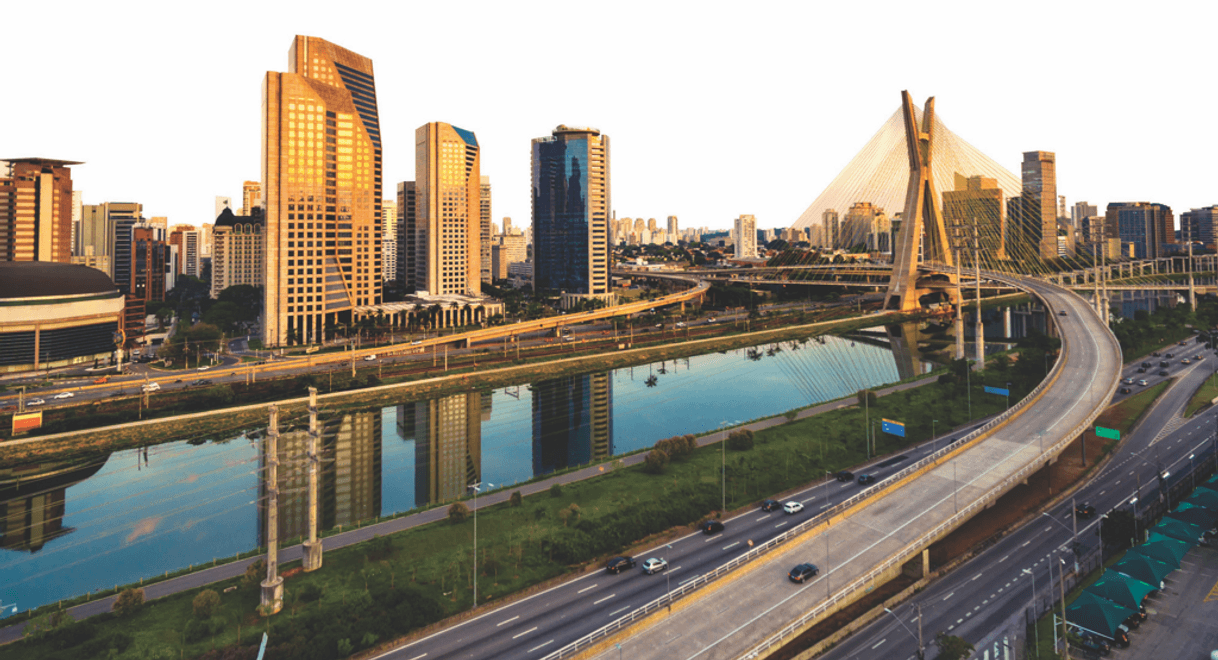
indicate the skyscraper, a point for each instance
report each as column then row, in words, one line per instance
column 389, row 241
column 571, row 202
column 829, row 220
column 484, row 231
column 1145, row 226
column 977, row 199
column 98, row 238
column 409, row 266
column 674, row 232
column 1039, row 195
column 321, row 187
column 1080, row 211
column 251, row 196
column 239, row 251
column 744, row 233
column 1198, row 225
column 448, row 205
column 36, row 210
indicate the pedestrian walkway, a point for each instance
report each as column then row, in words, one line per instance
column 343, row 539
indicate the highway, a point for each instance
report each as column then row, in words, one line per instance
column 978, row 596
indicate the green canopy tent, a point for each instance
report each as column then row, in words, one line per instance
column 1095, row 614
column 1121, row 589
column 1204, row 497
column 1178, row 548
column 1148, row 570
column 1157, row 552
column 1179, row 530
column 1193, row 515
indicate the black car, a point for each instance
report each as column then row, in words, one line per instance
column 1163, row 372
column 845, row 475
column 1155, row 354
column 1141, row 370
column 1062, row 313
column 711, row 527
column 1095, row 644
column 1084, row 511
column 1146, row 364
column 195, row 383
column 865, row 479
column 770, row 505
column 619, row 564
column 1125, row 390
column 1164, row 363
column 1170, row 355
column 803, row 572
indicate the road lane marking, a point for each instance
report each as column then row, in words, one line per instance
column 419, row 656
column 1212, row 595
column 540, row 647
column 1004, row 558
column 1025, row 543
column 975, row 577
column 525, row 632
column 732, row 545
column 619, row 611
column 587, row 589
column 949, row 595
column 762, row 518
column 598, row 602
column 877, row 644
column 780, row 524
column 507, row 621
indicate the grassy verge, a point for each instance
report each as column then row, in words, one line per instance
column 523, row 547
column 1124, row 415
column 1202, row 397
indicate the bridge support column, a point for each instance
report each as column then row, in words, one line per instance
column 959, row 328
column 1006, row 322
column 980, row 330
column 926, row 562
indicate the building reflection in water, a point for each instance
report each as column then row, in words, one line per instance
column 572, row 421
column 33, row 499
column 447, row 435
column 349, row 481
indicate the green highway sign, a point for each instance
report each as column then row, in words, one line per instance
column 1111, row 434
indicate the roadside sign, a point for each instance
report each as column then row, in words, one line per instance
column 1111, row 434
column 27, row 422
column 893, row 427
column 997, row 390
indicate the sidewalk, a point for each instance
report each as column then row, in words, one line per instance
column 359, row 535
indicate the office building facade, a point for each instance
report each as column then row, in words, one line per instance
column 409, row 262
column 36, row 210
column 977, row 201
column 1144, row 228
column 484, row 227
column 389, row 241
column 1038, row 204
column 744, row 234
column 239, row 251
column 1198, row 225
column 448, row 210
column 321, row 187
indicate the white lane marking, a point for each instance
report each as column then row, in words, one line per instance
column 598, row 602
column 780, row 524
column 1103, row 491
column 762, row 518
column 1004, row 558
column 949, row 595
column 688, row 580
column 1025, row 543
column 540, row 647
column 825, row 505
column 525, row 632
column 507, row 621
column 728, row 547
column 619, row 611
column 877, row 644
column 975, row 577
column 419, row 656
column 587, row 589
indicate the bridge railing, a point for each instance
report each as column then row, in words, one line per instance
column 823, row 517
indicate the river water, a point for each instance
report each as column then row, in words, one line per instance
column 68, row 528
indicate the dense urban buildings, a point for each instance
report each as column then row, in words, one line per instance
column 1038, row 205
column 978, row 201
column 571, row 202
column 484, row 227
column 321, row 179
column 389, row 241
column 189, row 243
column 831, row 228
column 36, row 210
column 448, row 211
column 150, row 262
column 1198, row 225
column 238, row 251
column 408, row 264
column 251, row 198
column 97, row 234
column 744, row 235
column 508, row 249
column 1144, row 228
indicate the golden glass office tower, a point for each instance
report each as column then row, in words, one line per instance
column 448, row 186
column 321, row 187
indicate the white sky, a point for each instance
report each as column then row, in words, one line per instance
column 714, row 108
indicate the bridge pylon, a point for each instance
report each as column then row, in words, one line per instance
column 922, row 217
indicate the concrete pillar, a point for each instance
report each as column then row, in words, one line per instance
column 312, row 547
column 272, row 586
column 980, row 330
column 1006, row 322
column 926, row 562
column 959, row 327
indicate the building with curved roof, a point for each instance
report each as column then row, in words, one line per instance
column 56, row 315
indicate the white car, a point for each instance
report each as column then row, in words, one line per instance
column 793, row 507
column 654, row 565
column 203, row 368
column 151, row 387
column 35, row 402
column 680, row 324
column 369, row 358
column 710, row 320
column 65, row 395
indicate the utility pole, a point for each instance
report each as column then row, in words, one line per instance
column 272, row 586
column 921, row 645
column 1192, row 290
column 1061, row 570
column 980, row 330
column 312, row 547
column 959, row 327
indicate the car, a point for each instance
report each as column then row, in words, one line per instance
column 1121, row 637
column 1084, row 510
column 1125, row 390
column 1184, row 361
column 1062, row 313
column 1143, row 382
column 1146, row 364
column 1094, row 644
column 416, row 342
column 101, row 380
column 203, row 368
column 1163, row 372
column 568, row 338
column 150, row 387
column 845, row 475
column 369, row 358
column 770, row 505
column 680, row 324
column 1198, row 358
column 866, row 479
column 1170, row 355
column 659, row 326
column 1164, row 363
column 36, row 402
column 803, row 572
column 1128, row 381
column 616, row 565
column 793, row 507
column 64, row 395
column 711, row 527
column 1141, row 370
column 1155, row 354
column 711, row 320
column 654, row 565
column 196, row 383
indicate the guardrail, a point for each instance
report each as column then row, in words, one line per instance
column 822, row 519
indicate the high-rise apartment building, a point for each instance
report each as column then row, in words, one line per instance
column 484, row 231
column 508, row 249
column 251, row 197
column 1080, row 211
column 206, row 240
column 571, row 202
column 36, row 210
column 1198, row 225
column 744, row 234
column 858, row 225
column 674, row 232
column 1145, row 227
column 321, row 186
column 239, row 251
column 1039, row 201
column 448, row 207
column 978, row 201
column 77, row 204
column 149, row 260
column 389, row 241
column 97, row 240
column 829, row 220
column 410, row 261
column 188, row 241
column 507, row 225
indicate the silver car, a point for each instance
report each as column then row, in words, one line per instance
column 654, row 565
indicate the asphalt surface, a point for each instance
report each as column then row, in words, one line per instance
column 981, row 594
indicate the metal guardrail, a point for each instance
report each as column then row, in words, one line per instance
column 823, row 517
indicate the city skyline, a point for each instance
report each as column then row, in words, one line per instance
column 675, row 76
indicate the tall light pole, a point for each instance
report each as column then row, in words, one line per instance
column 723, row 468
column 1061, row 570
column 933, row 439
column 476, row 487
column 921, row 649
column 1075, row 532
column 1035, row 609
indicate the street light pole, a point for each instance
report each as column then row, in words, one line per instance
column 921, row 650
column 1035, row 609
column 933, row 438
column 723, row 468
column 476, row 487
column 1065, row 626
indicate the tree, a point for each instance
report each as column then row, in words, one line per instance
column 656, row 461
column 1117, row 528
column 740, row 440
column 254, row 573
column 515, row 499
column 458, row 513
column 866, row 398
column 205, row 604
column 952, row 647
column 129, row 602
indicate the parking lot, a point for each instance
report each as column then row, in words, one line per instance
column 1183, row 617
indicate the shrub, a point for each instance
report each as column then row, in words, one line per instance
column 515, row 499
column 254, row 574
column 458, row 513
column 556, row 490
column 309, row 593
column 380, row 547
column 866, row 398
column 47, row 624
column 741, row 440
column 205, row 604
column 129, row 602
column 656, row 461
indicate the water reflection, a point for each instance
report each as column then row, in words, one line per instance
column 33, row 499
column 572, row 421
column 447, row 436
